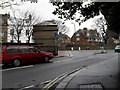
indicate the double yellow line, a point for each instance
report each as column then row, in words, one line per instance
column 54, row 81
column 49, row 85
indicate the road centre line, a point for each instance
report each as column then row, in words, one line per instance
column 17, row 68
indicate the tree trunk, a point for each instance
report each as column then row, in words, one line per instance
column 18, row 41
column 28, row 39
column 105, row 41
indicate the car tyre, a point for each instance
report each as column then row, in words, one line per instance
column 47, row 59
column 16, row 62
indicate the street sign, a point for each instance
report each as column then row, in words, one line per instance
column 55, row 34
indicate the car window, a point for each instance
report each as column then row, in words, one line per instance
column 12, row 50
column 33, row 50
column 23, row 49
column 118, row 46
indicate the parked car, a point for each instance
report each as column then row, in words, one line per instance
column 17, row 55
column 117, row 48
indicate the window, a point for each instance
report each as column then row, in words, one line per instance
column 12, row 50
column 77, row 34
column 96, row 39
column 88, row 34
column 23, row 49
column 77, row 39
column 33, row 50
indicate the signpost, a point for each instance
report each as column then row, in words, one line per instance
column 55, row 35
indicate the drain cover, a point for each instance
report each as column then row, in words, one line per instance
column 90, row 87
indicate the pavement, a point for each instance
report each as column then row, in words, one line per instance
column 71, row 53
column 102, row 76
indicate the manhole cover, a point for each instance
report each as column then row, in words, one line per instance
column 90, row 87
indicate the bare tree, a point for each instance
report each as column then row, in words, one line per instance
column 62, row 27
column 101, row 25
column 21, row 23
column 16, row 26
column 32, row 20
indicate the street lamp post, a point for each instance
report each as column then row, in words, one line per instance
column 74, row 27
column 55, row 47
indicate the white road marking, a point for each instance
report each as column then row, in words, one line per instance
column 17, row 68
column 69, row 54
column 46, row 82
column 29, row 86
column 57, row 61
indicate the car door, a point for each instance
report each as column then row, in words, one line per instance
column 24, row 54
column 35, row 54
column 11, row 53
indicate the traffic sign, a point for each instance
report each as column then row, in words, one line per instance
column 55, row 34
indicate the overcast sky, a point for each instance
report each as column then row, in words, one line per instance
column 45, row 9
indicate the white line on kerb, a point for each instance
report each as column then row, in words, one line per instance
column 29, row 86
column 17, row 68
column 69, row 54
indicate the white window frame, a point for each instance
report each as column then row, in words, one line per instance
column 77, row 39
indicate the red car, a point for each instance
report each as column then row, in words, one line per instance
column 16, row 55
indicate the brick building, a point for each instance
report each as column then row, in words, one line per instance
column 86, row 36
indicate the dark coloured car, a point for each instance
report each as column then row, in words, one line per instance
column 17, row 55
column 117, row 48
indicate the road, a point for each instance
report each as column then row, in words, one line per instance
column 38, row 74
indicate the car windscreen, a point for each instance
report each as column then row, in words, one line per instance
column 118, row 46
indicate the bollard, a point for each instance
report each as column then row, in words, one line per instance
column 72, row 48
column 79, row 48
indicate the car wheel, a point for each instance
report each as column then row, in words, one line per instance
column 16, row 62
column 46, row 58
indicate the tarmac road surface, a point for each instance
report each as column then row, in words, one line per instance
column 40, row 73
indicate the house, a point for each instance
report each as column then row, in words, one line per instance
column 3, row 27
column 86, row 36
column 63, row 39
column 117, row 41
column 94, row 37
